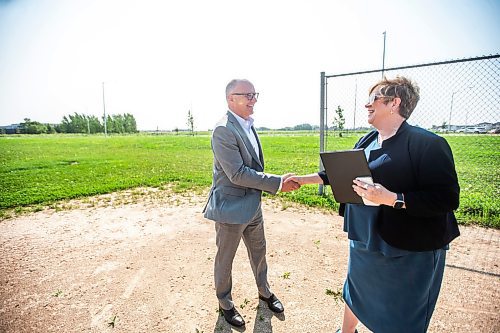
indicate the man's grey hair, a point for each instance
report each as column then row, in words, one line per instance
column 230, row 86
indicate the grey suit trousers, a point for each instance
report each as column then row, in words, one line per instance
column 227, row 240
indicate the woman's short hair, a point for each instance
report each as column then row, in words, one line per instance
column 403, row 88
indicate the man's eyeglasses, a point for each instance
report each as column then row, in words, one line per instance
column 249, row 96
column 373, row 97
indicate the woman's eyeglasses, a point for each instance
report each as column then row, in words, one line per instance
column 249, row 96
column 373, row 97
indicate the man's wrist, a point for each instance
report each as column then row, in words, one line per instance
column 281, row 184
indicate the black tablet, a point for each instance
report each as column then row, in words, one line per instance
column 342, row 167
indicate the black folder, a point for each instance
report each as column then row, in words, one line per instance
column 342, row 167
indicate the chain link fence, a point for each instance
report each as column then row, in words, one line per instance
column 459, row 99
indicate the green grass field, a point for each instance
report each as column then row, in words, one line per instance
column 40, row 170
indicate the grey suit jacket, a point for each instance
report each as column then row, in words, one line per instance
column 238, row 177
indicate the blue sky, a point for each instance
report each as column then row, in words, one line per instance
column 159, row 59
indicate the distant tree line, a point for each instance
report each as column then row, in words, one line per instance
column 337, row 124
column 81, row 123
column 301, row 127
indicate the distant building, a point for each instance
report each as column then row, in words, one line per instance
column 11, row 129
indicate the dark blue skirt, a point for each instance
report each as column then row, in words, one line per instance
column 393, row 294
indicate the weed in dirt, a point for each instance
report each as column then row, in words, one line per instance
column 245, row 302
column 112, row 321
column 58, row 293
column 337, row 295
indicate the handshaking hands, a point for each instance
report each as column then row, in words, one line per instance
column 292, row 182
column 288, row 184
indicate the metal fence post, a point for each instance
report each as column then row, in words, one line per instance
column 321, row 125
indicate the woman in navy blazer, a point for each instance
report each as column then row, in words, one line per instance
column 397, row 247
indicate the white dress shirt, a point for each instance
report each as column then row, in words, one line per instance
column 247, row 124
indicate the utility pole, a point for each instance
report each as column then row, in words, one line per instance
column 88, row 120
column 104, row 107
column 383, row 55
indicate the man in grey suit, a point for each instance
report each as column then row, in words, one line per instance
column 234, row 201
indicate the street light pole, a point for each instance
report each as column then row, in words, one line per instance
column 451, row 104
column 383, row 55
column 451, row 109
column 355, row 102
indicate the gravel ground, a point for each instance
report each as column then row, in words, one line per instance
column 142, row 261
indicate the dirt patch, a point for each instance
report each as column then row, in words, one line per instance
column 142, row 261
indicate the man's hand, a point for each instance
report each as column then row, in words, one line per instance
column 287, row 184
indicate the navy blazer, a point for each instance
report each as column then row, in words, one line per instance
column 419, row 164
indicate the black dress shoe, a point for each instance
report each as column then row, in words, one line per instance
column 273, row 303
column 233, row 317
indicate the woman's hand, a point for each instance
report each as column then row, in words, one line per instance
column 313, row 178
column 375, row 193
